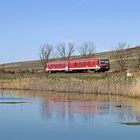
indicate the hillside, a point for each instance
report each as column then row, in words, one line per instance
column 36, row 64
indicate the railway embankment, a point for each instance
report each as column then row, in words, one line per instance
column 101, row 84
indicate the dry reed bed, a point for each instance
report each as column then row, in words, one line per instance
column 103, row 86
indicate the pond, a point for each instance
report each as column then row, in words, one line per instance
column 28, row 115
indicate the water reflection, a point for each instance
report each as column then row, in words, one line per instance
column 69, row 107
column 60, row 116
column 13, row 102
column 8, row 98
column 89, row 108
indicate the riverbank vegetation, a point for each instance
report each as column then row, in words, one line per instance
column 115, row 84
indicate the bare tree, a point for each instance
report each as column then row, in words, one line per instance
column 2, row 68
column 71, row 50
column 87, row 49
column 45, row 53
column 61, row 48
column 121, row 55
column 65, row 51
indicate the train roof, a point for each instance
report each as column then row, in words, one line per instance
column 75, row 60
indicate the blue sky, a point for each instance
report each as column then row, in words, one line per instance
column 27, row 24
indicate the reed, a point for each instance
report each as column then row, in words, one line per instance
column 113, row 86
column 136, row 88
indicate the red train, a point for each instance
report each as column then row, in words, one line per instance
column 93, row 64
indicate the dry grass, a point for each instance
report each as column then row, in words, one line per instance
column 136, row 88
column 112, row 86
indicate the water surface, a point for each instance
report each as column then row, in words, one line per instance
column 58, row 116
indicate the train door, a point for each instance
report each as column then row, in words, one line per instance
column 66, row 67
column 97, row 65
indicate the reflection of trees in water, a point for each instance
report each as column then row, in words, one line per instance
column 52, row 109
column 69, row 110
column 63, row 106
column 46, row 110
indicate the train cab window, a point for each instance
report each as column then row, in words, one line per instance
column 104, row 61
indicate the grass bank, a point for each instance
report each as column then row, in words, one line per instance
column 109, row 85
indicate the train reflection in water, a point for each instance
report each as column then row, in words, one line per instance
column 125, row 109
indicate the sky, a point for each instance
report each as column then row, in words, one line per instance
column 25, row 25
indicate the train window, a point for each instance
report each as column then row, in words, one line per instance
column 72, row 64
column 85, row 63
column 61, row 65
column 80, row 64
column 104, row 61
column 92, row 63
column 76, row 64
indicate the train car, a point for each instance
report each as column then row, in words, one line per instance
column 93, row 64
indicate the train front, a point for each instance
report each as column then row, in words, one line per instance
column 104, row 64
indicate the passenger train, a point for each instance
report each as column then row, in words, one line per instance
column 93, row 64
